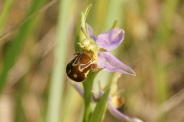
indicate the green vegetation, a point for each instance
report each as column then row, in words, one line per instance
column 37, row 42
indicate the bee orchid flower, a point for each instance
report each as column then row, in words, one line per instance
column 113, row 103
column 93, row 52
column 96, row 55
column 105, row 43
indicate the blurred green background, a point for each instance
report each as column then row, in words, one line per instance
column 36, row 43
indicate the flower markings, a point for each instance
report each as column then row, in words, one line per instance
column 79, row 67
column 96, row 55
column 93, row 55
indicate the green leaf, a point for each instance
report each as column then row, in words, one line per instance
column 100, row 108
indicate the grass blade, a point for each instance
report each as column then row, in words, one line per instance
column 16, row 45
column 57, row 80
column 4, row 13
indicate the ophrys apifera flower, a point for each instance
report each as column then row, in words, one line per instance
column 96, row 55
column 94, row 52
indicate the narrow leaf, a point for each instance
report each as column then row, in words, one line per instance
column 4, row 13
column 17, row 43
column 100, row 108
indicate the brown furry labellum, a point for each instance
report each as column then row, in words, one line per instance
column 79, row 67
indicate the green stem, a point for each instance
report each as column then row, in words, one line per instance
column 88, row 85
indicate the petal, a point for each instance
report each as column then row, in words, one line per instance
column 111, row 39
column 79, row 89
column 89, row 31
column 120, row 115
column 110, row 63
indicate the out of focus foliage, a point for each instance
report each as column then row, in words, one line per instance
column 29, row 54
